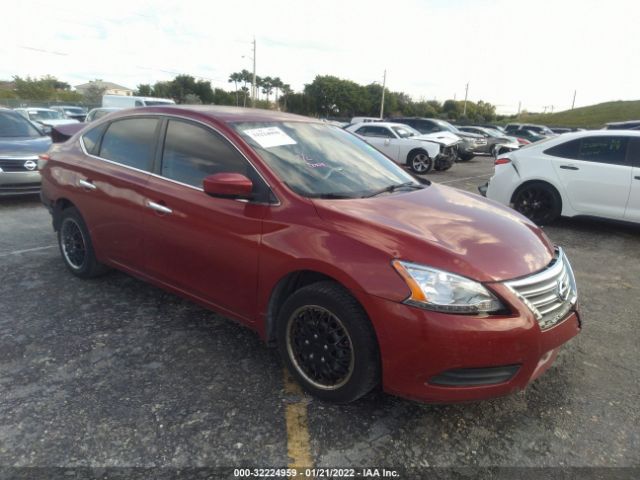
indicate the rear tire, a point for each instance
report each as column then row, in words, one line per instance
column 76, row 247
column 540, row 202
column 328, row 343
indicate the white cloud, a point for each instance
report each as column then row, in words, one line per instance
column 509, row 50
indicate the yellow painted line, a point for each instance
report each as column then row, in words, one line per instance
column 298, row 444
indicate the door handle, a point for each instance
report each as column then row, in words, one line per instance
column 569, row 167
column 159, row 208
column 87, row 184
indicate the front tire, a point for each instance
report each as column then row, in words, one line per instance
column 419, row 162
column 328, row 343
column 538, row 201
column 76, row 247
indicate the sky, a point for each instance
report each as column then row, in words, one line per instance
column 510, row 52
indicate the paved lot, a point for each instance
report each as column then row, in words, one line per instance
column 114, row 372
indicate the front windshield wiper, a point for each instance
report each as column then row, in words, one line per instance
column 393, row 188
column 333, row 196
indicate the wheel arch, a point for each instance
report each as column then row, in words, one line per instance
column 415, row 150
column 58, row 207
column 292, row 282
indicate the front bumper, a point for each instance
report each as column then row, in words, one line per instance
column 19, row 183
column 419, row 348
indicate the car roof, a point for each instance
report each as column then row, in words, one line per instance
column 221, row 113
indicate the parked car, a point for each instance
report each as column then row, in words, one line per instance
column 407, row 146
column 495, row 139
column 517, row 128
column 355, row 120
column 96, row 113
column 359, row 273
column 71, row 112
column 561, row 130
column 500, row 128
column 470, row 145
column 529, row 136
column 20, row 144
column 629, row 125
column 122, row 101
column 44, row 118
column 593, row 173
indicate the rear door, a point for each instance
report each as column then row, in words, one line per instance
column 204, row 246
column 110, row 186
column 595, row 174
column 632, row 212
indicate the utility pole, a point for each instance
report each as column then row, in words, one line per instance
column 466, row 92
column 255, row 88
column 384, row 83
column 573, row 104
column 519, row 105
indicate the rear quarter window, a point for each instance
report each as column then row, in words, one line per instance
column 91, row 139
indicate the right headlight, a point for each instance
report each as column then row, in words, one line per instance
column 442, row 291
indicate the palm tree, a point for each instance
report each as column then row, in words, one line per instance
column 235, row 78
column 245, row 91
column 259, row 83
column 286, row 91
column 277, row 84
column 267, row 87
column 246, row 78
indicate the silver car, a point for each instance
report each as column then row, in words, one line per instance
column 20, row 144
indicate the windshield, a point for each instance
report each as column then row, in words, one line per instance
column 322, row 161
column 74, row 110
column 447, row 126
column 493, row 132
column 405, row 131
column 38, row 115
column 13, row 125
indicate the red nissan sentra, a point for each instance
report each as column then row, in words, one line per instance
column 361, row 274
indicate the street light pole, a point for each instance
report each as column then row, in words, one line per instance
column 253, row 96
column 384, row 82
column 573, row 104
column 464, row 109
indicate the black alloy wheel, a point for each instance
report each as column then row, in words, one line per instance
column 539, row 202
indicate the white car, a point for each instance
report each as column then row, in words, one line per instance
column 406, row 146
column 46, row 118
column 592, row 173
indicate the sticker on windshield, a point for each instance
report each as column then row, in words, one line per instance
column 270, row 137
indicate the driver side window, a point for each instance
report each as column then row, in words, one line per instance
column 192, row 152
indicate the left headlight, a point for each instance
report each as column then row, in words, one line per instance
column 442, row 291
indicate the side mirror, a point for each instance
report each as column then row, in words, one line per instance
column 228, row 185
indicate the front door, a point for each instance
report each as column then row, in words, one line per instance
column 207, row 247
column 632, row 212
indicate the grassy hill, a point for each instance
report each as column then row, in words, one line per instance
column 593, row 116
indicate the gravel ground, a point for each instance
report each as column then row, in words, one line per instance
column 113, row 372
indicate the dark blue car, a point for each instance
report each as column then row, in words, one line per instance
column 20, row 144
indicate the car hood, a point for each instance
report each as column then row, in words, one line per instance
column 55, row 122
column 444, row 228
column 443, row 138
column 23, row 146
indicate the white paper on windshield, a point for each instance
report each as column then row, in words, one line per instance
column 270, row 137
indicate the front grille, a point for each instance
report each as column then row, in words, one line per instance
column 17, row 164
column 549, row 294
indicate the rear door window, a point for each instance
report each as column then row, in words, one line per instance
column 611, row 150
column 633, row 153
column 565, row 150
column 131, row 142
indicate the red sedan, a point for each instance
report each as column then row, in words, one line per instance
column 361, row 274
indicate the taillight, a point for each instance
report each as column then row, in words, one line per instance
column 502, row 161
column 523, row 141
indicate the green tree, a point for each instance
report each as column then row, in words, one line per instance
column 144, row 90
column 235, row 78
